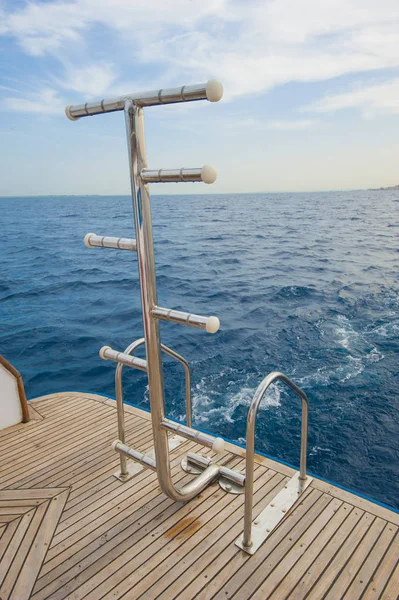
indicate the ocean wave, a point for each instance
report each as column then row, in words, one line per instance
column 306, row 287
column 205, row 411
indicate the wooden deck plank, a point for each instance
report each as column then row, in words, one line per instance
column 9, row 530
column 205, row 545
column 37, row 431
column 36, row 447
column 254, row 572
column 15, row 431
column 28, row 475
column 370, row 565
column 12, row 436
column 13, row 510
column 18, row 549
column 223, row 575
column 273, row 578
column 134, row 559
column 291, row 577
column 354, row 563
column 83, row 465
column 112, row 539
column 66, row 568
column 345, row 552
column 311, row 575
column 143, row 490
column 391, row 591
column 34, row 557
column 385, row 569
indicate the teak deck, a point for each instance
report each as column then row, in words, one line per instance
column 69, row 529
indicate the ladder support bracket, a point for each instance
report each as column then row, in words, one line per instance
column 275, row 511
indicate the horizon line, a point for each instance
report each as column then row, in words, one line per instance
column 389, row 188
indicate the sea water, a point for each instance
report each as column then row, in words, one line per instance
column 303, row 283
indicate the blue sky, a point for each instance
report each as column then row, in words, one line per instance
column 311, row 93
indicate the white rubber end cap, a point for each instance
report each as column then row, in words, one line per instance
column 102, row 351
column 68, row 113
column 218, row 446
column 208, row 174
column 212, row 325
column 214, row 90
column 115, row 443
column 87, row 240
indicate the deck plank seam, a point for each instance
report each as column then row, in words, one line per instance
column 173, row 508
column 87, row 552
column 233, row 549
column 30, row 546
column 147, row 477
column 126, row 498
column 339, row 548
column 350, row 555
column 208, row 495
column 237, row 512
column 390, row 578
column 159, row 504
column 312, row 496
column 58, row 441
column 31, row 477
column 371, row 548
column 378, row 566
column 328, row 499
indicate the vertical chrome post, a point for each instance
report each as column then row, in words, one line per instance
column 121, row 416
column 142, row 216
column 134, row 117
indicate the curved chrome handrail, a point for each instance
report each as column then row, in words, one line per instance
column 119, row 393
column 250, row 443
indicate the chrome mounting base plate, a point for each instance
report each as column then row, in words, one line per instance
column 274, row 512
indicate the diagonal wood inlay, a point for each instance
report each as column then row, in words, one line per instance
column 28, row 518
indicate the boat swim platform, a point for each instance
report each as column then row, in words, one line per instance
column 70, row 530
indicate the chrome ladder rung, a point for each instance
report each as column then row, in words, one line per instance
column 107, row 353
column 210, row 324
column 92, row 240
column 212, row 91
column 206, row 174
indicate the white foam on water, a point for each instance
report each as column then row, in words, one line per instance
column 346, row 333
column 203, row 404
column 317, row 449
column 386, row 330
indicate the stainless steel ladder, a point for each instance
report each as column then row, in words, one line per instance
column 206, row 470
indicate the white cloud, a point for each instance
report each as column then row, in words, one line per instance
column 372, row 100
column 252, row 46
column 45, row 102
column 290, row 125
column 89, row 80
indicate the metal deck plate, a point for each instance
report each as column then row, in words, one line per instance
column 135, row 467
column 274, row 512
